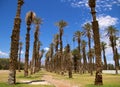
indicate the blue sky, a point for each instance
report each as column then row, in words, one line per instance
column 74, row 12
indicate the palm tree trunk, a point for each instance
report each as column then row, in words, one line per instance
column 79, row 62
column 15, row 45
column 27, row 51
column 61, row 47
column 98, row 77
column 105, row 61
column 84, row 60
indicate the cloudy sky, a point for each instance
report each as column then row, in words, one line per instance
column 74, row 12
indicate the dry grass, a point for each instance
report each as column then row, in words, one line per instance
column 4, row 75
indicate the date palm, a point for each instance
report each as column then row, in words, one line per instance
column 77, row 36
column 55, row 58
column 61, row 24
column 95, row 28
column 88, row 32
column 15, row 45
column 111, row 33
column 103, row 47
column 37, row 21
column 19, row 60
column 29, row 19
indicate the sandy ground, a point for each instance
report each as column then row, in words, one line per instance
column 58, row 83
column 4, row 71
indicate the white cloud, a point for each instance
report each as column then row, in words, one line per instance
column 101, row 5
column 105, row 21
column 3, row 54
column 46, row 48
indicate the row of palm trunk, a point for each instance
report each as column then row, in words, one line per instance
column 62, row 61
column 36, row 57
column 16, row 45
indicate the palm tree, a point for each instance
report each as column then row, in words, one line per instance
column 61, row 24
column 98, row 76
column 111, row 33
column 77, row 36
column 88, row 32
column 20, row 48
column 37, row 21
column 29, row 19
column 103, row 47
column 15, row 45
column 84, row 55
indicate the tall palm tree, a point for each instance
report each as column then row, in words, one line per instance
column 37, row 21
column 77, row 36
column 111, row 33
column 56, row 43
column 83, row 43
column 61, row 24
column 19, row 60
column 95, row 28
column 88, row 32
column 29, row 19
column 103, row 47
column 15, row 45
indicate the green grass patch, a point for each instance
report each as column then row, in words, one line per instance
column 86, row 80
column 23, row 85
column 105, row 85
column 20, row 77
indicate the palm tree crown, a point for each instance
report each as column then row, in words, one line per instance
column 61, row 24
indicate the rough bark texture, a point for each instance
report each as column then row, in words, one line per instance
column 104, row 57
column 98, row 77
column 27, row 51
column 95, row 27
column 34, row 58
column 15, row 45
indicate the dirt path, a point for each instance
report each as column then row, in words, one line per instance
column 58, row 83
